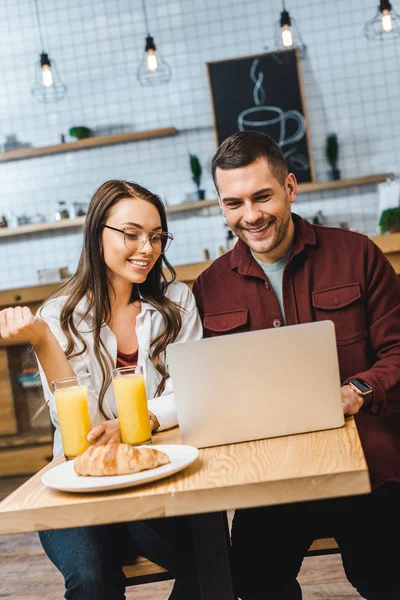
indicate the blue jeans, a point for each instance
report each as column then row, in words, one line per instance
column 91, row 558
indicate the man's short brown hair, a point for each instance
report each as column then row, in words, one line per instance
column 245, row 147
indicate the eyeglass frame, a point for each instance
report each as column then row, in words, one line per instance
column 148, row 237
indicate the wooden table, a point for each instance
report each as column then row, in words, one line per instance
column 310, row 466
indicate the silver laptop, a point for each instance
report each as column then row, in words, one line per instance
column 256, row 385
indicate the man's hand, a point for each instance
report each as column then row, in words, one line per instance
column 105, row 433
column 351, row 401
column 20, row 325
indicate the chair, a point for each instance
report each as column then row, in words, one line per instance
column 323, row 546
column 142, row 570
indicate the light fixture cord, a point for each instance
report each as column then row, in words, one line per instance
column 39, row 29
column 283, row 5
column 145, row 17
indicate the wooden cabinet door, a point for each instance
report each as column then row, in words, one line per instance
column 8, row 421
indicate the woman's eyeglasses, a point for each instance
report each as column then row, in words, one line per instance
column 135, row 239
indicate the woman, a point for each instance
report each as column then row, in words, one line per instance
column 118, row 309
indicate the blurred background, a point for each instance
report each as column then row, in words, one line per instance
column 351, row 89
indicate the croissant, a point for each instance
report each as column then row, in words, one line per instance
column 118, row 459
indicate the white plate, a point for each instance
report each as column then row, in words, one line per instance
column 64, row 478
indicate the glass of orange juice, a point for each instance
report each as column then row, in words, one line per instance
column 73, row 413
column 130, row 393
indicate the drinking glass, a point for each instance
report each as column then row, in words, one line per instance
column 133, row 413
column 73, row 413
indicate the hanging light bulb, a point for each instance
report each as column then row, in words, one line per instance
column 152, row 69
column 47, row 75
column 152, row 63
column 287, row 32
column 47, row 86
column 385, row 24
column 151, row 57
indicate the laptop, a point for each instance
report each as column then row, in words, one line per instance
column 256, row 385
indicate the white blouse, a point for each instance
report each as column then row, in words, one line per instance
column 149, row 324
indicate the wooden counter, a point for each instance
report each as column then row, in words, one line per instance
column 36, row 294
column 390, row 245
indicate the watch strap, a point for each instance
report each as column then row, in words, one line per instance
column 366, row 395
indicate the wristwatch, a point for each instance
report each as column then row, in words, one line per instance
column 363, row 390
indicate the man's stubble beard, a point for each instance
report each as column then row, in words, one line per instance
column 281, row 231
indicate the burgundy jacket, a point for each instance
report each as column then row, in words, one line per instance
column 331, row 274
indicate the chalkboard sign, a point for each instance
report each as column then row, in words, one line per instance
column 264, row 93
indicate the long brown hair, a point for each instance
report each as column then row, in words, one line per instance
column 90, row 281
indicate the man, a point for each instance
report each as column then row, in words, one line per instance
column 285, row 271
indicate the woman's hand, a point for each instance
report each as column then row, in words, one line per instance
column 105, row 433
column 110, row 433
column 20, row 325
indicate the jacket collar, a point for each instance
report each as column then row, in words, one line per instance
column 242, row 260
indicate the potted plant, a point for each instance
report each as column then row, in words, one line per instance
column 332, row 155
column 196, row 169
column 389, row 221
column 80, row 133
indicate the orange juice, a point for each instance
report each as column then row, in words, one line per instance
column 73, row 415
column 134, row 422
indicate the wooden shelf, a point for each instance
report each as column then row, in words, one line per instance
column 190, row 206
column 196, row 205
column 92, row 142
column 41, row 227
column 305, row 188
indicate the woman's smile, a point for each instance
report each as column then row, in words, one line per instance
column 140, row 264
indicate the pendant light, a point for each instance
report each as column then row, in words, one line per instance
column 152, row 69
column 287, row 33
column 385, row 24
column 47, row 86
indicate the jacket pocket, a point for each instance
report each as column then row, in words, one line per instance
column 344, row 306
column 226, row 322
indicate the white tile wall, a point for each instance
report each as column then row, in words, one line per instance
column 352, row 86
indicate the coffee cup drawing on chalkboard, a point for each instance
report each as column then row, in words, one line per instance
column 272, row 120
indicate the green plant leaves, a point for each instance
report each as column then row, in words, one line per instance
column 389, row 219
column 196, row 169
